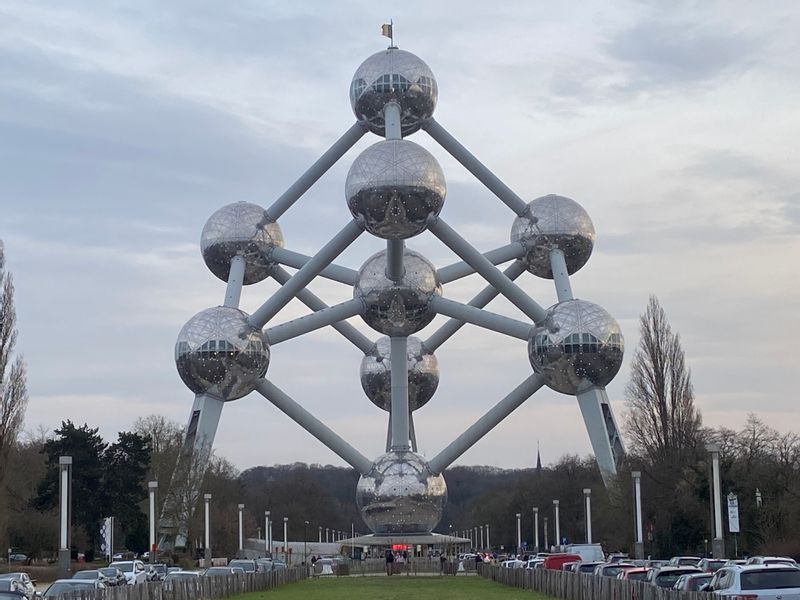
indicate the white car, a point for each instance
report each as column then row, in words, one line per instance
column 133, row 570
column 771, row 560
column 773, row 582
column 25, row 582
column 514, row 564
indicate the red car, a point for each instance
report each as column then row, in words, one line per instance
column 555, row 561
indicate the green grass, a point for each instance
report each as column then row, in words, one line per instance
column 396, row 588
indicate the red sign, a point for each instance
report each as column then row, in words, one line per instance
column 401, row 547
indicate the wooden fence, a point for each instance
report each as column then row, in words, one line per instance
column 581, row 586
column 198, row 588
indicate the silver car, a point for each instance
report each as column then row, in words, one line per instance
column 772, row 582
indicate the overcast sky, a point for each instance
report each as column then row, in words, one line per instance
column 125, row 125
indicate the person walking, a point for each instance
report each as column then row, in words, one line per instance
column 389, row 562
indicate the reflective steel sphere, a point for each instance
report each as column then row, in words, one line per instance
column 579, row 346
column 397, row 75
column 401, row 495
column 397, row 308
column 554, row 222
column 220, row 353
column 376, row 374
column 240, row 228
column 395, row 185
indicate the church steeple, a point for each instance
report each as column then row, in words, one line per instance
column 538, row 460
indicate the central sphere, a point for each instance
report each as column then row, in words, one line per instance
column 554, row 222
column 397, row 308
column 218, row 352
column 393, row 75
column 376, row 374
column 395, row 185
column 242, row 229
column 579, row 347
column 400, row 495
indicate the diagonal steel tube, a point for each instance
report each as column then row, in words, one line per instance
column 486, row 295
column 481, row 318
column 486, row 423
column 496, row 257
column 298, row 261
column 487, row 270
column 314, row 426
column 312, row 301
column 308, row 323
column 303, row 277
column 317, row 170
column 474, row 166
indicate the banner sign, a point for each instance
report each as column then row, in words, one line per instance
column 733, row 513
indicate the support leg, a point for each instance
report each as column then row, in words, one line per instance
column 233, row 293
column 400, row 432
column 412, row 432
column 602, row 429
column 558, row 264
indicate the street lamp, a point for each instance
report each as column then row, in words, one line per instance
column 65, row 513
column 241, row 532
column 207, row 552
column 305, row 537
column 587, row 498
column 638, row 545
column 717, row 543
column 558, row 522
column 286, row 539
column 519, row 532
column 536, row 528
column 152, row 486
column 488, row 544
column 267, row 536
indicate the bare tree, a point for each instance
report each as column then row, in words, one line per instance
column 13, row 390
column 663, row 423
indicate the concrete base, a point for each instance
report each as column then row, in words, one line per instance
column 638, row 550
column 718, row 548
column 64, row 564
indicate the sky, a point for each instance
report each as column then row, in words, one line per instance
column 125, row 125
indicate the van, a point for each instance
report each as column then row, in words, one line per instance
column 556, row 561
column 587, row 552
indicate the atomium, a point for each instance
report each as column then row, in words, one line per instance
column 240, row 229
column 397, row 308
column 218, row 352
column 395, row 185
column 423, row 374
column 401, row 495
column 581, row 346
column 554, row 222
column 393, row 75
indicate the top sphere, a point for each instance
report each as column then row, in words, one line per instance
column 554, row 222
column 397, row 75
column 242, row 229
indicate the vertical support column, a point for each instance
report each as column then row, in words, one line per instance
column 519, row 533
column 327, row 535
column 395, row 251
column 207, row 552
column 271, row 539
column 638, row 544
column 480, row 533
column 286, row 540
column 546, row 536
column 536, row 529
column 233, row 292
column 557, row 522
column 391, row 117
column 267, row 545
column 475, row 538
column 718, row 543
column 152, row 486
column 558, row 264
column 602, row 429
column 320, row 534
column 65, row 515
column 587, row 500
column 241, row 532
column 400, row 432
column 488, row 543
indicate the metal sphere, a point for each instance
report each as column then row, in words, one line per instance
column 393, row 75
column 218, row 352
column 554, row 222
column 376, row 374
column 579, row 346
column 397, row 308
column 400, row 495
column 242, row 229
column 395, row 185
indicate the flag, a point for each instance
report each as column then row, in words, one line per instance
column 386, row 30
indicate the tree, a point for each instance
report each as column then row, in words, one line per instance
column 126, row 464
column 13, row 389
column 663, row 423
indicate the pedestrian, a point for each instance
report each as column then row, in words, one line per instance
column 389, row 562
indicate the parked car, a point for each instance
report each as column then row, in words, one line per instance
column 218, row 572
column 772, row 582
column 157, row 572
column 513, row 563
column 535, row 563
column 17, row 557
column 132, row 569
column 692, row 582
column 616, row 557
column 587, row 552
column 26, row 583
column 586, row 567
column 278, row 565
column 771, row 560
column 177, row 576
column 683, row 561
column 65, row 586
column 249, row 566
column 12, row 586
column 114, row 575
column 734, row 562
column 711, row 565
column 611, row 569
column 570, row 566
column 666, row 577
column 554, row 561
column 91, row 574
column 264, row 565
column 637, row 574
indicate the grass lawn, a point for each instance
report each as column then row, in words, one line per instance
column 396, row 588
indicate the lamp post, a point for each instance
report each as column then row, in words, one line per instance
column 152, row 486
column 267, row 531
column 546, row 536
column 638, row 544
column 327, row 535
column 558, row 522
column 241, row 532
column 488, row 544
column 718, row 542
column 480, row 532
column 519, row 533
column 65, row 515
column 207, row 551
column 536, row 528
column 587, row 499
column 286, row 540
column 475, row 531
column 320, row 533
column 305, row 539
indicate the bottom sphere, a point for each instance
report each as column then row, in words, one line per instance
column 401, row 495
